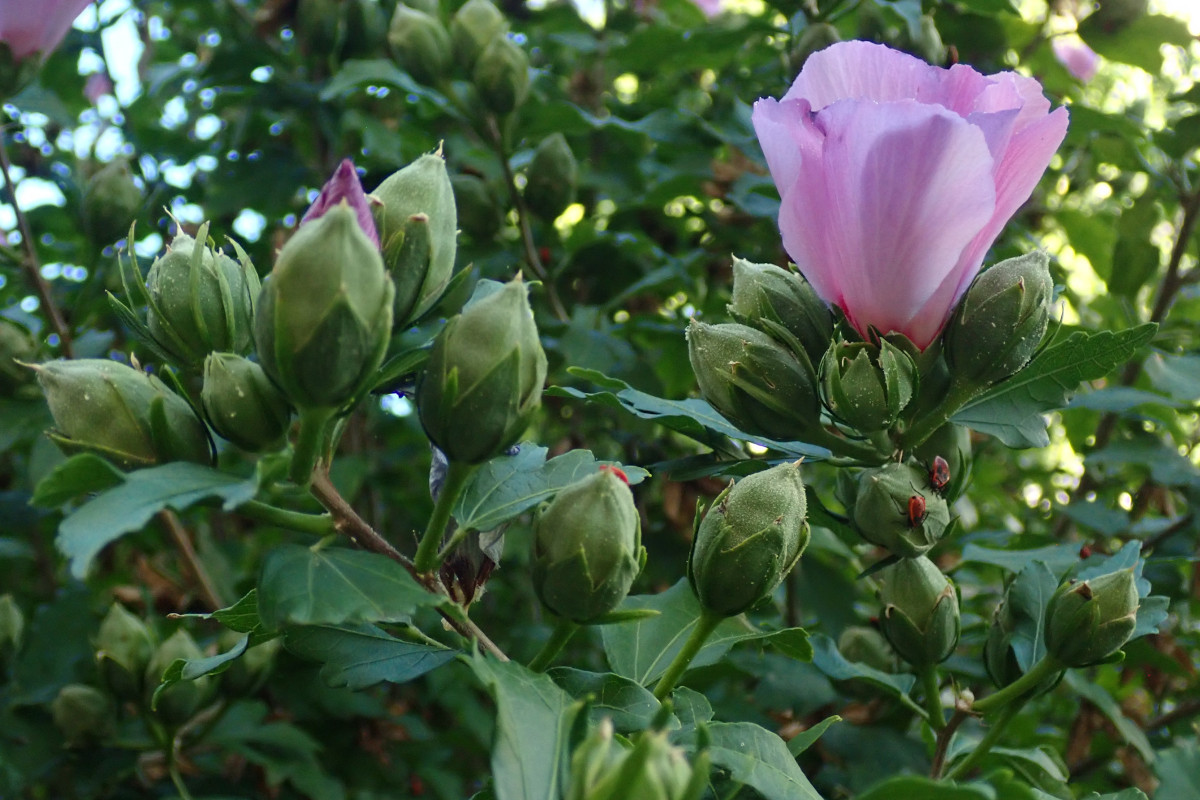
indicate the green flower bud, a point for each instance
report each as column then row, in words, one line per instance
column 484, row 377
column 920, row 611
column 242, row 404
column 479, row 213
column 12, row 628
column 16, row 345
column 431, row 7
column 325, row 313
column 120, row 413
column 421, row 44
column 15, row 72
column 999, row 657
column 896, row 508
column 652, row 769
column 318, row 23
column 748, row 540
column 111, row 200
column 124, row 646
column 867, row 646
column 180, row 701
column 551, row 178
column 587, row 547
column 364, row 28
column 84, row 714
column 952, row 443
column 770, row 298
column 418, row 224
column 201, row 300
column 813, row 38
column 753, row 381
column 1087, row 621
column 928, row 44
column 1000, row 321
column 473, row 28
column 502, row 75
column 866, row 386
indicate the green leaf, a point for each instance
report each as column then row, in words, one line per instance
column 334, row 585
column 806, row 739
column 360, row 656
column 1139, row 43
column 1059, row 557
column 241, row 617
column 1129, row 730
column 1028, row 597
column 630, row 706
column 84, row 473
column 911, row 787
column 356, row 72
column 1135, row 794
column 533, row 722
column 189, row 669
column 506, row 486
column 1012, row 411
column 1178, row 376
column 1178, row 771
column 1135, row 257
column 128, row 507
column 827, row 659
column 21, row 419
column 759, row 759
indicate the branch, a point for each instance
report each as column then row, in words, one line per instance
column 191, row 560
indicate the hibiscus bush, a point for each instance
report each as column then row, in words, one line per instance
column 655, row 400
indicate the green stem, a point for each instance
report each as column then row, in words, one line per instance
column 1021, row 688
column 844, row 447
column 457, row 474
column 989, row 739
column 459, row 534
column 309, row 444
column 316, row 524
column 562, row 634
column 705, row 625
column 957, row 396
column 933, row 698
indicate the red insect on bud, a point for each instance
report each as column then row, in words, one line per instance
column 939, row 474
column 620, row 473
column 916, row 510
column 1085, row 552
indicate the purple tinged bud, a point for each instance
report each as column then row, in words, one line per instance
column 344, row 187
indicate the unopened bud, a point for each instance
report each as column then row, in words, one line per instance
column 124, row 646
column 479, row 213
column 920, row 611
column 84, row 714
column 652, row 769
column 16, row 345
column 178, row 702
column 1088, row 621
column 421, row 44
column 952, row 444
column 866, row 386
column 895, row 507
column 769, row 298
column 552, row 176
column 12, row 628
column 868, row 646
column 242, row 404
column 502, row 75
column 111, row 201
column 473, row 28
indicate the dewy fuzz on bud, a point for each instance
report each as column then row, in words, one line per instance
column 473, row 28
column 421, row 44
column 866, row 386
column 748, row 540
column 483, row 381
column 587, row 548
column 1088, row 621
column 502, row 75
column 241, row 403
column 551, row 178
column 884, row 504
column 766, row 297
column 920, row 611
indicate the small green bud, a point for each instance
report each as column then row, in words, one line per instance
column 1087, row 621
column 242, row 404
column 84, row 714
column 866, row 386
column 421, row 44
column 180, row 701
column 769, row 298
column 479, row 213
column 652, row 769
column 920, row 611
column 473, row 28
column 862, row 645
column 124, row 646
column 325, row 314
column 928, row 44
column 551, row 178
column 953, row 444
column 812, row 39
column 587, row 547
column 248, row 673
column 483, row 381
column 201, row 300
column 753, row 381
column 748, row 540
column 12, row 628
column 1000, row 321
column 16, row 345
column 418, row 224
column 120, row 413
column 896, row 508
column 502, row 75
column 111, row 201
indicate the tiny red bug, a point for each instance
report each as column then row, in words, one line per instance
column 939, row 474
column 620, row 473
column 916, row 510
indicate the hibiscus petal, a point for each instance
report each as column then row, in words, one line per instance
column 866, row 71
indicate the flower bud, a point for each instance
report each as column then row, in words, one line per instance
column 417, row 228
column 1000, row 321
column 325, row 313
column 502, row 75
column 248, row 673
column 768, row 297
column 484, row 377
column 84, row 714
column 753, row 381
column 16, row 345
column 364, row 28
column 653, row 769
column 928, row 44
column 748, row 540
column 999, row 657
column 421, row 44
column 920, row 611
column 479, row 213
column 473, row 28
column 111, row 200
column 124, row 646
column 952, row 444
column 1087, row 621
column 178, row 702
column 862, row 645
column 587, row 547
column 344, row 187
column 120, row 413
column 896, row 508
column 242, row 405
column 552, row 177
column 12, row 628
column 201, row 300
column 866, row 386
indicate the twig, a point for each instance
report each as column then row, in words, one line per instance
column 183, row 543
column 944, row 737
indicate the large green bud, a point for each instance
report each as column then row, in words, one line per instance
column 1088, row 621
column 124, row 646
column 473, row 28
column 120, row 413
column 753, row 381
column 479, row 213
column 421, row 44
column 1000, row 321
column 16, row 345
column 652, row 769
column 179, row 702
column 770, row 298
column 895, row 507
column 111, row 200
column 587, row 547
column 483, row 381
column 866, row 386
column 862, row 645
column 748, row 540
column 325, row 313
column 201, row 300
column 502, row 75
column 12, row 628
column 84, row 714
column 242, row 405
column 920, row 611
column 418, row 223
column 551, row 178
